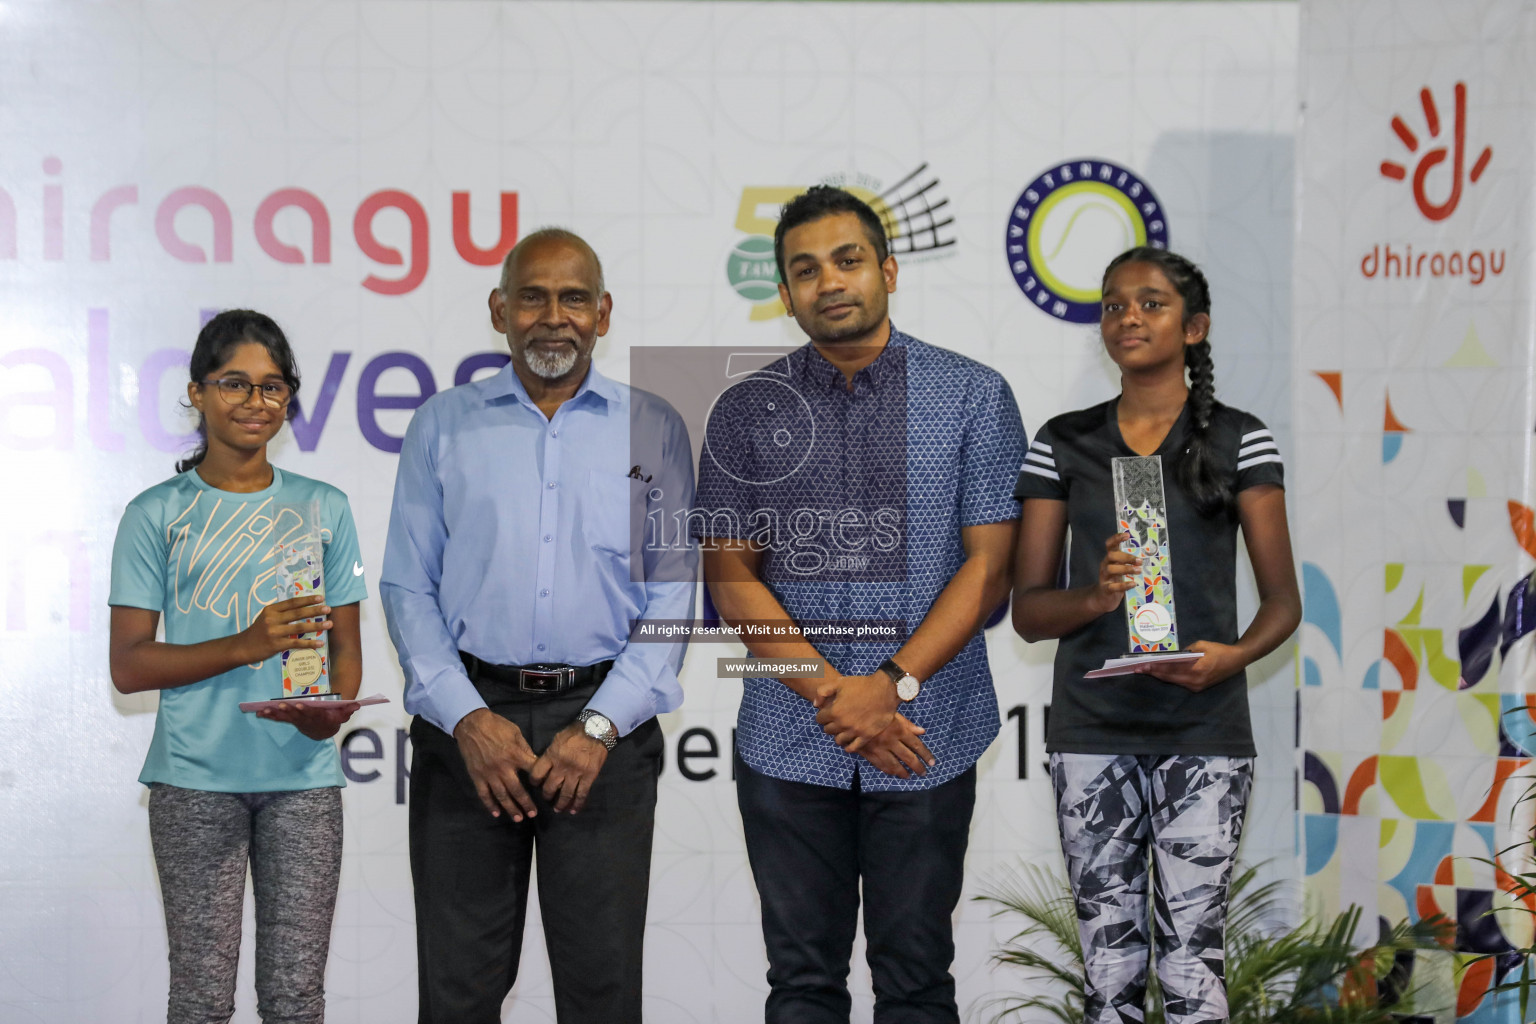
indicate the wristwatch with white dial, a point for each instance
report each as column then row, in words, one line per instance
column 596, row 725
column 908, row 686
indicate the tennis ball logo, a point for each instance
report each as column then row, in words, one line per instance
column 1080, row 236
column 751, row 269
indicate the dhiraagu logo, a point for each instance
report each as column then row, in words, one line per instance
column 917, row 219
column 1069, row 223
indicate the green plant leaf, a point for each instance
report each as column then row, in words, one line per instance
column 1274, row 975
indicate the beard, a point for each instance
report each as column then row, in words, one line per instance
column 854, row 327
column 551, row 365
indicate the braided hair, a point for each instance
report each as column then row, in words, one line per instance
column 1197, row 471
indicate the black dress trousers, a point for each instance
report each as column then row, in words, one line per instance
column 470, row 873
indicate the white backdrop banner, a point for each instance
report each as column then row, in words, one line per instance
column 1416, row 395
column 356, row 170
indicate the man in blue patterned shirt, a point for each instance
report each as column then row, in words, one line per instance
column 865, row 478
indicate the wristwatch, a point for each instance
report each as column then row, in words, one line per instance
column 908, row 686
column 597, row 726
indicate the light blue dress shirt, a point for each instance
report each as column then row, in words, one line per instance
column 514, row 538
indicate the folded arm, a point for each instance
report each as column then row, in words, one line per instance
column 139, row 662
column 731, row 569
column 854, row 710
column 1041, row 609
column 1261, row 511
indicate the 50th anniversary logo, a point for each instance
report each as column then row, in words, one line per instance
column 916, row 214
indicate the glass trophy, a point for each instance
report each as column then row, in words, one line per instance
column 1142, row 511
column 300, row 572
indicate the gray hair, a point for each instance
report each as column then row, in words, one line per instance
column 551, row 234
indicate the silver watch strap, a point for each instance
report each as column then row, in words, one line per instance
column 609, row 739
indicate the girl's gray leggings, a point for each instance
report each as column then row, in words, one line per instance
column 202, row 843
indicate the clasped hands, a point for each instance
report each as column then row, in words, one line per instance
column 859, row 713
column 496, row 753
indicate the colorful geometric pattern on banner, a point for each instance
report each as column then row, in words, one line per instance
column 1414, row 384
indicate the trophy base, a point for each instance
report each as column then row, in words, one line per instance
column 1127, row 665
column 250, row 706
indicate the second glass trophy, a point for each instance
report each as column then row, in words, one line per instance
column 1141, row 509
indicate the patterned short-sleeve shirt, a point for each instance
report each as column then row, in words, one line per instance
column 860, row 496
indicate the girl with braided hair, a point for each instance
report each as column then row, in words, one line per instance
column 1156, row 764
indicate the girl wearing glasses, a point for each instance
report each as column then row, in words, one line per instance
column 229, row 789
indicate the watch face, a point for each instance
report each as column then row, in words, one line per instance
column 907, row 688
column 598, row 727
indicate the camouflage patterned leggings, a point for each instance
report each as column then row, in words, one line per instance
column 1189, row 810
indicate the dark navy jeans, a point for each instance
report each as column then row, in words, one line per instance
column 810, row 846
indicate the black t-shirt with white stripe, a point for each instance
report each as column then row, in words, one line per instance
column 1070, row 461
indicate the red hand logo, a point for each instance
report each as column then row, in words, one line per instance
column 1396, row 171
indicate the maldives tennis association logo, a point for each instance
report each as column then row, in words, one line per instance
column 916, row 214
column 1069, row 223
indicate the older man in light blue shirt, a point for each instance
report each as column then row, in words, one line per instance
column 517, row 565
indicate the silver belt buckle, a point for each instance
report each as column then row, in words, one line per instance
column 550, row 680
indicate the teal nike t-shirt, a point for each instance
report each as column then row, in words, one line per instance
column 203, row 559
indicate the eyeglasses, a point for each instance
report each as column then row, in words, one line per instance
column 237, row 392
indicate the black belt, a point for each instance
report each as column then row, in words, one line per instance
column 539, row 678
